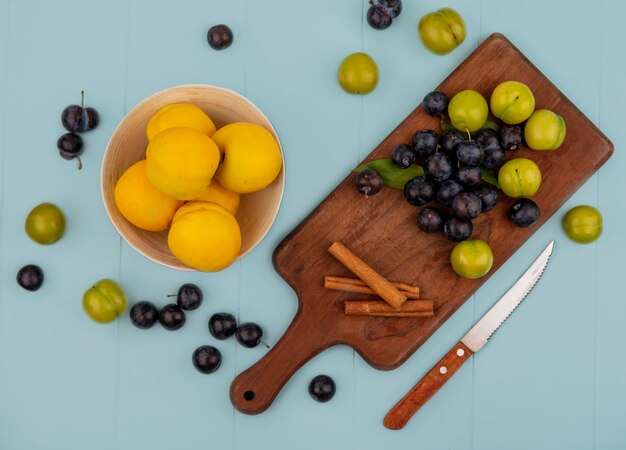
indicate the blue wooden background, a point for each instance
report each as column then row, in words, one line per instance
column 553, row 378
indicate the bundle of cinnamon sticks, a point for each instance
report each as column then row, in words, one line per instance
column 395, row 299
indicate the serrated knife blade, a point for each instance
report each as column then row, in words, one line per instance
column 472, row 342
column 480, row 333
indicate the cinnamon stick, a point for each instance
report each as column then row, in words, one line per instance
column 411, row 308
column 358, row 286
column 373, row 279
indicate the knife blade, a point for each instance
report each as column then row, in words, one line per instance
column 471, row 343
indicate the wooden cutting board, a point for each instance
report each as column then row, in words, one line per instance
column 381, row 230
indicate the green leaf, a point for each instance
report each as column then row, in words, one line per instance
column 393, row 176
column 489, row 176
column 446, row 125
column 489, row 125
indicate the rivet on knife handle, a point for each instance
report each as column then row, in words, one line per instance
column 427, row 387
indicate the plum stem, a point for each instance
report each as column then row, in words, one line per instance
column 469, row 135
column 82, row 98
column 80, row 163
column 265, row 343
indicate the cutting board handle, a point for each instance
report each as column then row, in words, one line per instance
column 254, row 390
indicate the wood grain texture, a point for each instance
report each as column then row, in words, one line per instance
column 428, row 386
column 381, row 229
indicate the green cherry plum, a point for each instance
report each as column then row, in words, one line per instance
column 519, row 177
column 583, row 224
column 104, row 301
column 45, row 223
column 512, row 102
column 468, row 111
column 471, row 258
column 544, row 130
column 441, row 31
column 358, row 73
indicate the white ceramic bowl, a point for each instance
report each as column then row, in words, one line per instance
column 257, row 211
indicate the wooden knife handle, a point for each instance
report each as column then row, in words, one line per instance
column 400, row 414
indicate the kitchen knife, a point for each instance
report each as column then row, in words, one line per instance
column 472, row 342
